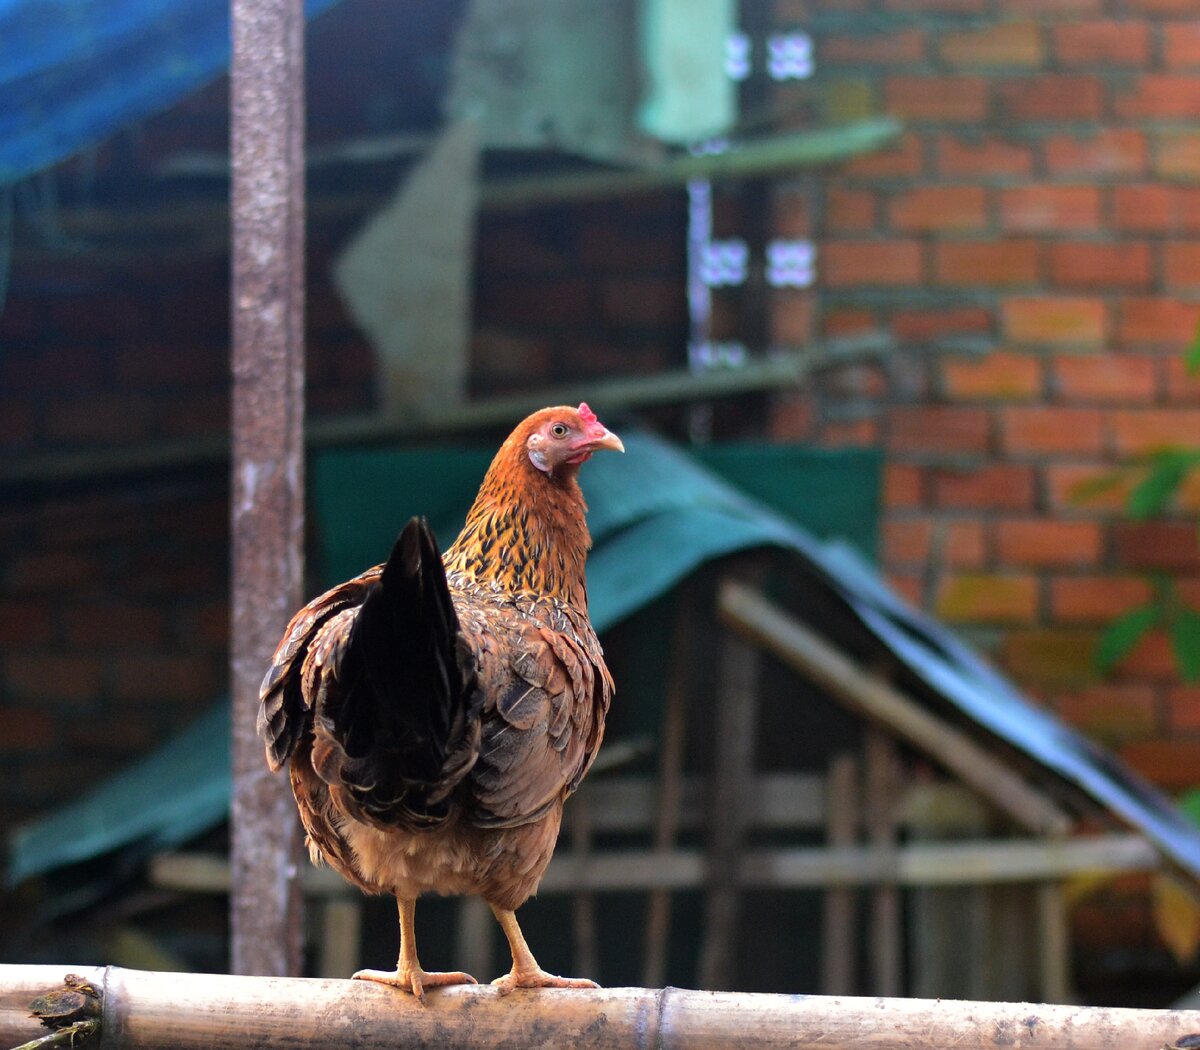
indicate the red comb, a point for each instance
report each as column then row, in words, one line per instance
column 586, row 414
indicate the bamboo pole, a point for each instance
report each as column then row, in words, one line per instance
column 193, row 1011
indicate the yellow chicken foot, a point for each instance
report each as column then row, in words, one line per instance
column 525, row 972
column 408, row 973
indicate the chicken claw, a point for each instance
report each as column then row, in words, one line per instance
column 416, row 980
column 538, row 978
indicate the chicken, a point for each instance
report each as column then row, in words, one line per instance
column 436, row 713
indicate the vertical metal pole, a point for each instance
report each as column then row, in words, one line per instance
column 267, row 118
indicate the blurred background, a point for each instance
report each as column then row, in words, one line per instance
column 920, row 277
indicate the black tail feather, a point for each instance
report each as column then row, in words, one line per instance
column 409, row 706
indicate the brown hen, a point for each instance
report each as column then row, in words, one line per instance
column 436, row 713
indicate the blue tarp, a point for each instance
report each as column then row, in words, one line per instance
column 72, row 72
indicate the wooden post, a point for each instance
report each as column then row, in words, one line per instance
column 141, row 1010
column 670, row 785
column 839, row 948
column 737, row 713
column 880, row 811
column 267, row 515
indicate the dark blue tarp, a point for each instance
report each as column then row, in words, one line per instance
column 72, row 72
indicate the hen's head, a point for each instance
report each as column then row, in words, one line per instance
column 557, row 440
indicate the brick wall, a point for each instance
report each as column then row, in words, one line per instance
column 1032, row 243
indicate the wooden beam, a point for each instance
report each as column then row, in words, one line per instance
column 921, row 864
column 194, row 1011
column 803, row 649
column 839, row 928
column 882, row 768
column 774, row 372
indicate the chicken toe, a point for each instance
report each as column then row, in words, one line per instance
column 414, row 979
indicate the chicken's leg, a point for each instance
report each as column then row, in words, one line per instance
column 525, row 972
column 408, row 974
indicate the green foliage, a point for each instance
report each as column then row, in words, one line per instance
column 1121, row 636
column 1155, row 481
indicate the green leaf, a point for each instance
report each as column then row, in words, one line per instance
column 1123, row 634
column 1185, row 640
column 1158, row 487
column 1191, row 356
column 1189, row 802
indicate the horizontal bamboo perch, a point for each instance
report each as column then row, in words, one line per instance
column 185, row 1011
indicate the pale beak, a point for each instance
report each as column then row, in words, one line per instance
column 608, row 440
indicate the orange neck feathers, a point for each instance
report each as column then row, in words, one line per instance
column 526, row 531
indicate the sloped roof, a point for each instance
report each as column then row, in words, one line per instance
column 656, row 515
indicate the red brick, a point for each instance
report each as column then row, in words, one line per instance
column 955, row 7
column 1112, row 712
column 1158, row 320
column 1177, row 156
column 1181, row 44
column 1145, row 429
column 938, row 428
column 993, row 263
column 640, row 301
column 997, row 376
column 1045, row 209
column 113, row 624
column 53, row 676
column 1055, row 320
column 160, row 676
column 1111, row 378
column 907, row 541
column 27, row 729
column 909, row 585
column 1153, row 659
column 1064, row 482
column 1103, row 43
column 917, row 326
column 848, row 320
column 24, row 623
column 1157, row 545
column 42, row 572
column 997, row 486
column 1096, row 599
column 1048, row 542
column 1001, row 598
column 1160, row 96
column 1162, row 7
column 939, row 208
column 848, row 210
column 1050, row 656
column 1183, row 708
column 791, row 213
column 1050, row 9
column 1037, row 430
column 1106, row 151
column 1181, row 385
column 950, row 99
column 1170, row 764
column 1181, row 264
column 853, row 433
column 903, row 486
column 904, row 159
column 985, row 157
column 852, row 264
column 875, row 49
column 1052, row 96
column 1088, row 265
column 792, row 317
column 793, row 417
column 1146, row 208
column 965, row 544
column 1003, row 44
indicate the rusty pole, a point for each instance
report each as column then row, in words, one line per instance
column 267, row 498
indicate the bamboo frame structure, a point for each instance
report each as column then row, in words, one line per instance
column 140, row 1009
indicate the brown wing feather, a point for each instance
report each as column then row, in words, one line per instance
column 547, row 692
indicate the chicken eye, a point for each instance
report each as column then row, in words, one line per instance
column 559, row 430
